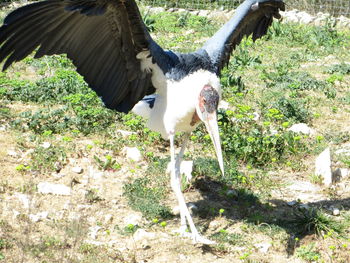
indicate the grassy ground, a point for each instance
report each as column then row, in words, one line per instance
column 51, row 122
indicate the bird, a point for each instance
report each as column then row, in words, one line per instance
column 111, row 48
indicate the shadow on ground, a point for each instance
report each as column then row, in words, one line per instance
column 244, row 205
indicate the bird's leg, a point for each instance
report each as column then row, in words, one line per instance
column 180, row 155
column 176, row 186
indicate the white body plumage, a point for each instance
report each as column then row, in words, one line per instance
column 175, row 102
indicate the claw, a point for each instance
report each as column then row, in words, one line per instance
column 196, row 238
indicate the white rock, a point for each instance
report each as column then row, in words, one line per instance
column 256, row 116
column 15, row 213
column 108, row 218
column 56, row 189
column 305, row 18
column 186, row 168
column 46, row 145
column 58, row 175
column 133, row 219
column 336, row 212
column 302, row 128
column 24, row 199
column 340, row 174
column 77, row 169
column 142, row 234
column 323, row 167
column 191, row 207
column 132, row 153
column 12, row 153
column 344, row 151
column 97, row 175
column 263, row 247
column 39, row 216
column 156, row 10
column 224, row 105
column 125, row 134
column 176, row 210
column 93, row 231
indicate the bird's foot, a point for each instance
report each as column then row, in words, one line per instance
column 196, row 237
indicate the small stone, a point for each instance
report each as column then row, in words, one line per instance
column 340, row 174
column 12, row 153
column 224, row 105
column 93, row 231
column 39, row 216
column 176, row 210
column 302, row 128
column 56, row 189
column 46, row 145
column 132, row 153
column 108, row 219
column 336, row 212
column 142, row 234
column 263, row 247
column 125, row 134
column 24, row 199
column 323, row 167
column 292, row 203
column 133, row 219
column 77, row 170
column 58, row 175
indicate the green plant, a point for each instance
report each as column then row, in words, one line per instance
column 92, row 196
column 342, row 68
column 223, row 236
column 145, row 197
column 108, row 164
column 46, row 159
column 308, row 253
column 313, row 220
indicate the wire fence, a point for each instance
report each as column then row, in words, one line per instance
column 333, row 7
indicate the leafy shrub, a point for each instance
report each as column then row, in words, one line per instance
column 89, row 113
column 46, row 90
column 46, row 159
column 254, row 142
column 43, row 120
column 294, row 109
column 143, row 196
column 342, row 68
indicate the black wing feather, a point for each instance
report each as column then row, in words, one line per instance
column 251, row 17
column 101, row 37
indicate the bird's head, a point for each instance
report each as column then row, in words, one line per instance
column 206, row 109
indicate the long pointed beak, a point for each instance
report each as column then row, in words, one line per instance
column 212, row 126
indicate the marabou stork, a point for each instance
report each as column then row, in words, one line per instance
column 111, row 48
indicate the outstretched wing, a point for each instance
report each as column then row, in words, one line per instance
column 251, row 17
column 101, row 37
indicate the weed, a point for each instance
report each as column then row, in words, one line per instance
column 144, row 197
column 342, row 68
column 92, row 196
column 108, row 164
column 308, row 253
column 45, row 160
column 223, row 236
column 312, row 220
